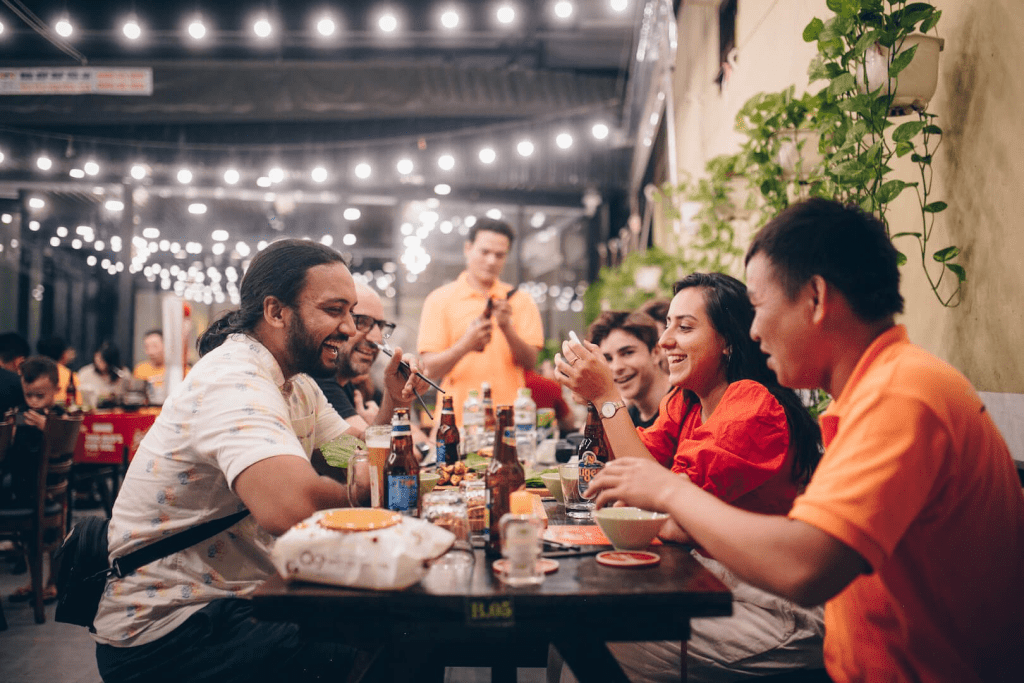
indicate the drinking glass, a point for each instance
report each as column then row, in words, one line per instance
column 520, row 547
column 474, row 492
column 576, row 506
column 359, row 480
column 447, row 509
column 378, row 444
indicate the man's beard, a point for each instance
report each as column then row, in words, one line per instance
column 306, row 351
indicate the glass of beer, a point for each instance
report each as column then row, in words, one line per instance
column 359, row 480
column 378, row 444
column 576, row 506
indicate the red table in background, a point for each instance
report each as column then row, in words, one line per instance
column 105, row 436
column 106, row 443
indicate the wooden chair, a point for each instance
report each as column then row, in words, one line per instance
column 40, row 526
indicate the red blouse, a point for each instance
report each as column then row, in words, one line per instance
column 742, row 455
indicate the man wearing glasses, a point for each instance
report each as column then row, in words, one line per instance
column 355, row 358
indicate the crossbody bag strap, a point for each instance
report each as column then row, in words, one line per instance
column 126, row 564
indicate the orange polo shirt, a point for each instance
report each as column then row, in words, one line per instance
column 917, row 479
column 447, row 314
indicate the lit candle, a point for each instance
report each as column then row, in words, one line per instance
column 521, row 503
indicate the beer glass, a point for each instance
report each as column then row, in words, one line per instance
column 447, row 509
column 378, row 444
column 576, row 506
column 359, row 480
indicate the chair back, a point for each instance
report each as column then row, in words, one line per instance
column 53, row 469
column 6, row 437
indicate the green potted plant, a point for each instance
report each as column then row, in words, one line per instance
column 859, row 137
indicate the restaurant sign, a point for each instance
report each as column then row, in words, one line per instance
column 76, row 80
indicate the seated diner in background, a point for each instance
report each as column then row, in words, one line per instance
column 911, row 529
column 102, row 383
column 731, row 429
column 237, row 433
column 629, row 342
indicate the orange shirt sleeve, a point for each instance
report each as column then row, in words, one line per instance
column 876, row 475
column 661, row 438
column 434, row 333
column 741, row 447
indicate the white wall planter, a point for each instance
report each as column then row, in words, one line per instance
column 798, row 153
column 915, row 84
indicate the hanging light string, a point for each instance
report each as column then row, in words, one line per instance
column 40, row 27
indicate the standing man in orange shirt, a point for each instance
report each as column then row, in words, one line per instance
column 911, row 530
column 457, row 338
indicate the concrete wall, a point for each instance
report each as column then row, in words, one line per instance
column 979, row 170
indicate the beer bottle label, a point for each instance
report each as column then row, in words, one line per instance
column 441, row 449
column 403, row 493
column 509, row 438
column 589, row 467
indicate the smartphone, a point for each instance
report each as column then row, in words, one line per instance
column 489, row 309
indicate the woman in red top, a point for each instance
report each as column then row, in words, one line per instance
column 732, row 429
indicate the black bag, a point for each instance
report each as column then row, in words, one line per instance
column 83, row 566
column 82, row 571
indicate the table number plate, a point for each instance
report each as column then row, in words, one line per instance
column 491, row 611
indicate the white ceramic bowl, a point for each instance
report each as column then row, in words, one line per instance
column 630, row 528
column 554, row 485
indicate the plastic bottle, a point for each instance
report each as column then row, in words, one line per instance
column 472, row 423
column 526, row 426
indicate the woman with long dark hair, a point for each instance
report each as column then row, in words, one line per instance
column 731, row 428
column 105, row 379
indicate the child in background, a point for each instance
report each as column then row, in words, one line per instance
column 39, row 382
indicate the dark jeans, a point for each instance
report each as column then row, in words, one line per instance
column 222, row 643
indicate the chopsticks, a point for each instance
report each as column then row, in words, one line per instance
column 405, row 368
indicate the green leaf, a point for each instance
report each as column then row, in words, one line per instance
column 930, row 22
column 907, row 131
column 890, row 190
column 905, row 234
column 947, row 254
column 904, row 148
column 902, row 60
column 842, row 83
column 934, row 207
column 813, row 30
column 958, row 270
column 901, row 258
column 918, row 159
column 867, row 40
column 932, row 130
column 834, row 5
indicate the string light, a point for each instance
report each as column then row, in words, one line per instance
column 446, row 162
column 44, row 163
column 64, row 28
column 450, row 19
column 131, row 30
column 138, row 171
column 564, row 9
column 599, row 131
column 262, row 28
column 388, row 22
column 184, row 176
column 564, row 140
column 325, row 26
column 487, row 155
column 197, row 29
column 525, row 148
column 506, row 14
column 363, row 170
column 231, row 176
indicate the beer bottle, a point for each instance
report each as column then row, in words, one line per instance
column 593, row 450
column 472, row 423
column 504, row 475
column 402, row 470
column 69, row 398
column 489, row 422
column 447, row 435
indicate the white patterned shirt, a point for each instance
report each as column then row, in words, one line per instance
column 234, row 409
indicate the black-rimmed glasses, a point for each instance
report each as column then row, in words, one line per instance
column 365, row 322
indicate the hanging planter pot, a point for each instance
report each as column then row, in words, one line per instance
column 798, row 152
column 916, row 83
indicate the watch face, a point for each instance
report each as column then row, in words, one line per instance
column 608, row 409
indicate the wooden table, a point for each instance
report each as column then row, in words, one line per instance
column 478, row 621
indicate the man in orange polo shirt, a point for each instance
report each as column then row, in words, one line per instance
column 457, row 338
column 911, row 530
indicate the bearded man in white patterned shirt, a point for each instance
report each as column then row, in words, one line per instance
column 237, row 433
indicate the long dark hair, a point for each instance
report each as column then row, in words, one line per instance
column 728, row 307
column 111, row 355
column 278, row 271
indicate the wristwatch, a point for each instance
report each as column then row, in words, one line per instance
column 609, row 408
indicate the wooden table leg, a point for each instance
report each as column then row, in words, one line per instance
column 590, row 661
